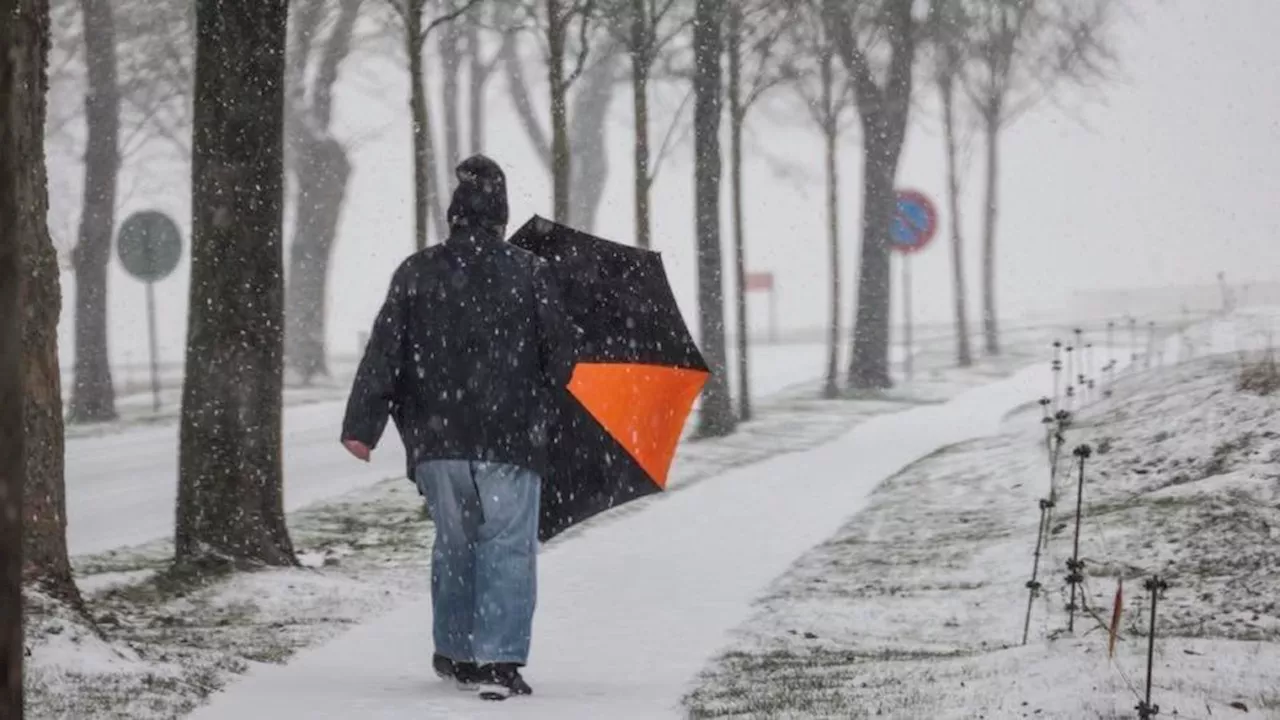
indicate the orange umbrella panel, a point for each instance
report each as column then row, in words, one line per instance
column 642, row 407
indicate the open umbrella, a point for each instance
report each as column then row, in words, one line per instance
column 637, row 376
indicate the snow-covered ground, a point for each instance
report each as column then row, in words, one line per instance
column 175, row 639
column 632, row 608
column 915, row 608
column 665, row 579
column 121, row 486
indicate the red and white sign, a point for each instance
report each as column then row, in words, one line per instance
column 758, row 282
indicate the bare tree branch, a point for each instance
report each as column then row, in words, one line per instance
column 446, row 18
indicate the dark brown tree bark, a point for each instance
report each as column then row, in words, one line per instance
column 884, row 108
column 715, row 417
column 990, row 324
column 946, row 88
column 93, row 394
column 23, row 37
column 737, row 119
column 321, row 170
column 45, row 561
column 230, row 491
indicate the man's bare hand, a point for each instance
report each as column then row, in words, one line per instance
column 357, row 449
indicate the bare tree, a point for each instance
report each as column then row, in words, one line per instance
column 45, row 560
column 813, row 54
column 950, row 26
column 135, row 88
column 757, row 27
column 416, row 31
column 230, row 491
column 93, row 394
column 321, row 170
column 884, row 104
column 481, row 66
column 451, row 49
column 561, row 18
column 1023, row 50
column 23, row 39
column 715, row 417
column 643, row 28
column 589, row 166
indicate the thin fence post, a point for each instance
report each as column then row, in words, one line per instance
column 1071, row 369
column 1047, row 420
column 1057, row 372
column 1075, row 566
column 1033, row 585
column 1156, row 586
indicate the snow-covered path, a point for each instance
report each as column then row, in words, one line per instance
column 122, row 486
column 631, row 610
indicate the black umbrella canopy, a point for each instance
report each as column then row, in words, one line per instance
column 638, row 374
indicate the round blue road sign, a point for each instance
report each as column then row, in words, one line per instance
column 914, row 222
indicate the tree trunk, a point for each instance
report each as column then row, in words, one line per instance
column 451, row 68
column 93, row 394
column 738, row 118
column 321, row 176
column 869, row 364
column 964, row 355
column 230, row 490
column 423, row 190
column 24, row 36
column 884, row 111
column 715, row 417
column 45, row 561
column 990, row 328
column 640, row 63
column 589, row 159
column 561, row 160
column 479, row 74
column 590, row 131
column 321, row 171
column 830, row 133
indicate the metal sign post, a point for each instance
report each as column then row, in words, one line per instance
column 914, row 224
column 149, row 246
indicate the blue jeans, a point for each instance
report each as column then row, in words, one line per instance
column 484, row 562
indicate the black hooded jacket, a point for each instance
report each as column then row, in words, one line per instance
column 471, row 340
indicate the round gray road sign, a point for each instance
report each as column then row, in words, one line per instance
column 149, row 245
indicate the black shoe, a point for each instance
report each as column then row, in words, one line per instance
column 465, row 674
column 500, row 681
column 445, row 668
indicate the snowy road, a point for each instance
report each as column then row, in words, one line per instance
column 121, row 487
column 632, row 610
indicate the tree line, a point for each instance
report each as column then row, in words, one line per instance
column 245, row 90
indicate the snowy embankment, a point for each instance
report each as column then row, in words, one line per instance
column 916, row 607
column 171, row 641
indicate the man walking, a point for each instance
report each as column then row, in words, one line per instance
column 471, row 340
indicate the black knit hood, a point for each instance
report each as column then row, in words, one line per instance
column 480, row 200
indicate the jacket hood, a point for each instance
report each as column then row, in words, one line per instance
column 480, row 199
